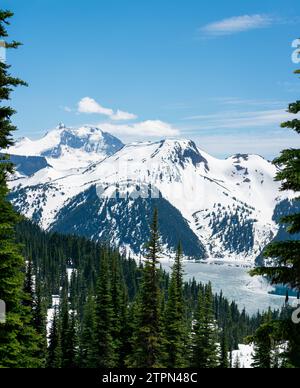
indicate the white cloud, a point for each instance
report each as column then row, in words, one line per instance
column 88, row 105
column 143, row 129
column 125, row 116
column 236, row 120
column 266, row 144
column 149, row 128
column 236, row 101
column 237, row 24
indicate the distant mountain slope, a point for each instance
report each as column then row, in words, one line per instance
column 283, row 208
column 222, row 208
column 26, row 166
column 68, row 148
column 126, row 222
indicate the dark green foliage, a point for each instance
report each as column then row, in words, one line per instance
column 224, row 359
column 205, row 353
column 286, row 262
column 105, row 345
column 67, row 327
column 54, row 359
column 264, row 346
column 40, row 324
column 70, row 353
column 290, row 333
column 113, row 312
column 53, row 253
column 120, row 310
column 286, row 254
column 87, row 338
column 175, row 319
column 19, row 342
column 147, row 342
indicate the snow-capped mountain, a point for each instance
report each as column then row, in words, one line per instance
column 217, row 208
column 70, row 148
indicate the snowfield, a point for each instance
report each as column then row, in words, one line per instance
column 244, row 355
column 228, row 204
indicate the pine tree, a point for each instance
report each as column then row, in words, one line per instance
column 106, row 356
column 40, row 323
column 30, row 339
column 18, row 340
column 205, row 353
column 290, row 338
column 67, row 326
column 286, row 254
column 64, row 320
column 237, row 363
column 87, row 344
column 70, row 353
column 147, row 342
column 120, row 301
column 267, row 340
column 54, row 357
column 262, row 358
column 224, row 360
column 176, row 332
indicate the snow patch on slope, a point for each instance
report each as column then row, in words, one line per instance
column 67, row 148
column 229, row 204
column 244, row 355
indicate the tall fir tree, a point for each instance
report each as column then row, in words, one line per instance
column 175, row 323
column 263, row 347
column 32, row 340
column 70, row 354
column 205, row 352
column 224, row 356
column 18, row 339
column 64, row 320
column 40, row 323
column 286, row 254
column 290, row 338
column 87, row 357
column 119, row 300
column 54, row 355
column 67, row 326
column 106, row 354
column 147, row 342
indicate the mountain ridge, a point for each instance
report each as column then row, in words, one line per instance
column 76, row 146
column 228, row 205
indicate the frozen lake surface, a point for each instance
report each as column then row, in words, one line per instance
column 236, row 284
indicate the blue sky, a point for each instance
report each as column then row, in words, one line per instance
column 217, row 72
